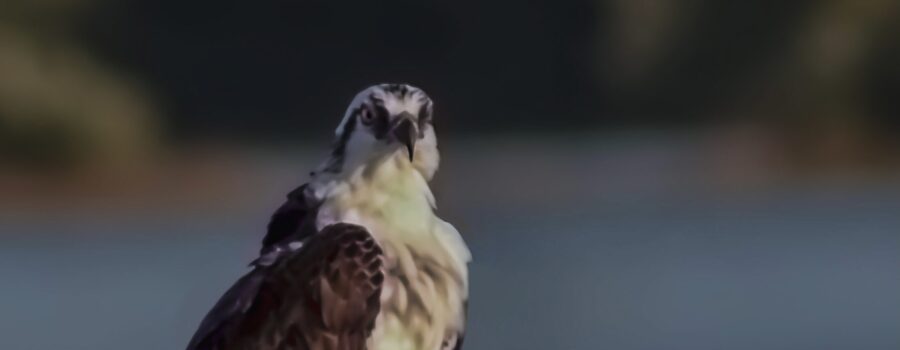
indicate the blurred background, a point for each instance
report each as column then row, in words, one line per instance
column 650, row 174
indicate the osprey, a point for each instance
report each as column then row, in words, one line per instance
column 356, row 258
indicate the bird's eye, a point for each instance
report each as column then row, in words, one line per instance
column 366, row 115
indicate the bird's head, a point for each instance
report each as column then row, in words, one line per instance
column 387, row 121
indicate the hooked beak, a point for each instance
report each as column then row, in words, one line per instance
column 405, row 132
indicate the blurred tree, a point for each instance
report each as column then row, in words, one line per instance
column 820, row 91
column 59, row 106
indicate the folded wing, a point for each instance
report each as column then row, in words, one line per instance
column 319, row 293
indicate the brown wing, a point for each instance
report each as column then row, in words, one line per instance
column 322, row 295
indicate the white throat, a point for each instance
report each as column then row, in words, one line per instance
column 382, row 191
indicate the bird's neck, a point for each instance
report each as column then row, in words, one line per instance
column 386, row 191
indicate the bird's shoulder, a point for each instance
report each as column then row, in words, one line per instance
column 294, row 220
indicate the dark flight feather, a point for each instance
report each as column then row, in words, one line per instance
column 323, row 295
column 293, row 221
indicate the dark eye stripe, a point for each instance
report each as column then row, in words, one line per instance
column 380, row 124
column 424, row 118
column 424, row 112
